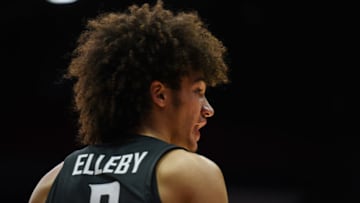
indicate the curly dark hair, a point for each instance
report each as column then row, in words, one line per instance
column 119, row 54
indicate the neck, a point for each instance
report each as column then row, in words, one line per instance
column 153, row 132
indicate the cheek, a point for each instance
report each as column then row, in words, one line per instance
column 195, row 107
column 192, row 105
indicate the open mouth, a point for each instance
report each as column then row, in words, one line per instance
column 196, row 131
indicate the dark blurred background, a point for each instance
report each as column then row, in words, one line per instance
column 281, row 131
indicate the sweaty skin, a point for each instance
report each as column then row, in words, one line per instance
column 187, row 177
column 43, row 187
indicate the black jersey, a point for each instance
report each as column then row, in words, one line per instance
column 111, row 173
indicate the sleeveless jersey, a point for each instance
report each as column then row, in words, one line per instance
column 123, row 173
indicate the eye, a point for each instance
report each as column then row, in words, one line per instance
column 200, row 91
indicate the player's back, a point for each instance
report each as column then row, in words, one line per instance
column 111, row 173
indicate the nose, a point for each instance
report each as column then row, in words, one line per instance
column 207, row 110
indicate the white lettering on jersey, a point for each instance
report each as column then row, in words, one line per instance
column 89, row 164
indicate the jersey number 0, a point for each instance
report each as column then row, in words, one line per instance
column 112, row 190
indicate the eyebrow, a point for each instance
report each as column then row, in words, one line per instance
column 199, row 79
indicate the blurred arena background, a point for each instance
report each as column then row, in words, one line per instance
column 281, row 131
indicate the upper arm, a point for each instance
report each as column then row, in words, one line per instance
column 188, row 177
column 42, row 189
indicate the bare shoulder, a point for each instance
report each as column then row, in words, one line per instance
column 189, row 177
column 43, row 187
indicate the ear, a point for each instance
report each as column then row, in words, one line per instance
column 158, row 93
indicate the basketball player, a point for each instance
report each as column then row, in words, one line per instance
column 140, row 81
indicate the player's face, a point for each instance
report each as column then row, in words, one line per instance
column 191, row 110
